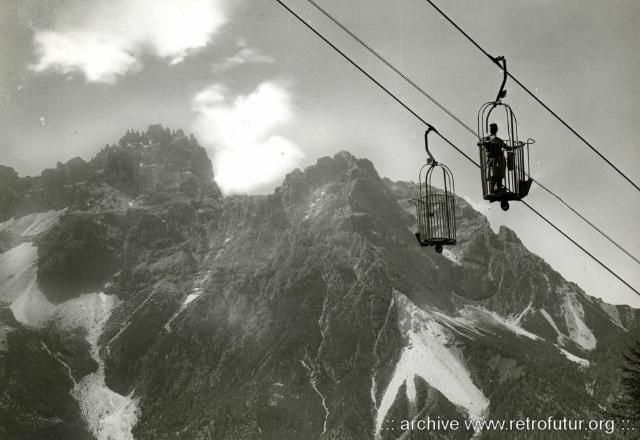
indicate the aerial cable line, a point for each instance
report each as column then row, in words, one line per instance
column 526, row 89
column 615, row 243
column 391, row 66
column 406, row 107
column 365, row 73
column 458, row 120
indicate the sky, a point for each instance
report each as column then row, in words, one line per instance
column 264, row 96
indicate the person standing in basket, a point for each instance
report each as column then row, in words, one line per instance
column 496, row 162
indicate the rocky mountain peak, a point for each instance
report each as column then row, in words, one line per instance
column 342, row 172
column 341, row 167
column 160, row 156
column 509, row 235
column 157, row 165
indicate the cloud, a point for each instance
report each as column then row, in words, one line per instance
column 240, row 135
column 105, row 40
column 246, row 55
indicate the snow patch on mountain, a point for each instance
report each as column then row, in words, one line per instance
column 550, row 320
column 196, row 291
column 61, row 361
column 561, row 336
column 31, row 225
column 109, row 415
column 85, row 312
column 42, row 222
column 127, row 322
column 517, row 319
column 190, row 298
column 430, row 355
column 19, row 286
column 374, row 386
column 482, row 315
column 574, row 319
column 313, row 380
column 32, row 308
column 460, row 325
column 573, row 358
column 316, row 206
column 17, row 270
column 451, row 257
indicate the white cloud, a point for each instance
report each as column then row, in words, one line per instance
column 104, row 40
column 246, row 55
column 240, row 135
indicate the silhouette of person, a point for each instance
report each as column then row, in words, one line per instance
column 496, row 162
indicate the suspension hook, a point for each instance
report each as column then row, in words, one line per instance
column 431, row 161
column 502, row 62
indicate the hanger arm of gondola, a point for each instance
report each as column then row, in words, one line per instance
column 432, row 160
column 502, row 92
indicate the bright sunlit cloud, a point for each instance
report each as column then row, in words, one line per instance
column 105, row 40
column 241, row 136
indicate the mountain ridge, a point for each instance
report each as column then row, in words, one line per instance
column 310, row 312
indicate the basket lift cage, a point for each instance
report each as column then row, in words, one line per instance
column 504, row 164
column 435, row 208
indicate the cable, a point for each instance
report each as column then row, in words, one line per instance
column 364, row 72
column 586, row 220
column 391, row 66
column 406, row 107
column 575, row 243
column 526, row 89
column 452, row 115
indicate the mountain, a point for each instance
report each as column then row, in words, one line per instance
column 152, row 307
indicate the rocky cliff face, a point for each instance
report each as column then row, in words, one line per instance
column 308, row 313
column 151, row 168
